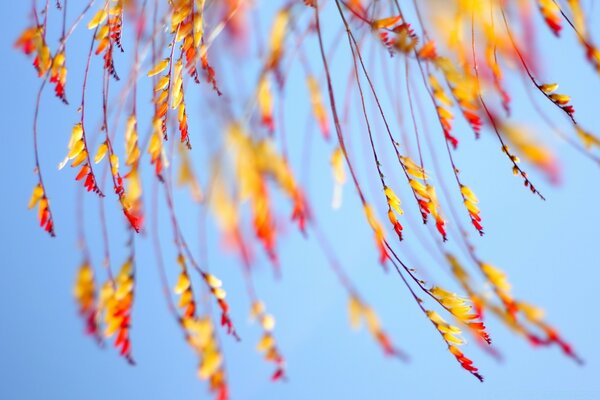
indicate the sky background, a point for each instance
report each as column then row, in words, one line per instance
column 549, row 250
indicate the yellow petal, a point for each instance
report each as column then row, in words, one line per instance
column 182, row 283
column 100, row 153
column 549, row 87
column 268, row 322
column 159, row 67
column 213, row 281
column 355, row 312
column 97, row 19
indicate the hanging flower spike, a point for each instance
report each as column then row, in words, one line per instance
column 451, row 335
column 58, row 76
column 533, row 150
column 191, row 31
column 210, row 72
column 155, row 147
column 178, row 102
column 470, row 201
column 133, row 193
column 116, row 301
column 201, row 336
column 78, row 153
column 378, row 233
column 499, row 282
column 359, row 312
column 318, row 108
column 300, row 213
column 532, row 314
column 264, row 223
column 551, row 13
column 589, row 140
column 84, row 292
column 130, row 210
column 183, row 289
column 107, row 29
column 434, row 209
column 592, row 53
column 161, row 93
column 32, row 41
column 393, row 208
column 442, row 106
column 425, row 194
column 267, row 344
column 561, row 100
column 491, row 60
column 277, row 38
column 215, row 286
column 38, row 197
column 462, row 311
column 115, row 23
column 463, row 87
column 265, row 103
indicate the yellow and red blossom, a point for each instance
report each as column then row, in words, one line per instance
column 462, row 311
column 264, row 98
column 551, row 13
column 107, row 23
column 442, row 106
column 216, row 289
column 396, row 35
column 494, row 66
column 277, row 38
column 208, row 69
column 470, row 202
column 130, row 210
column 161, row 97
column 532, row 314
column 451, row 335
column 378, row 233
column 393, row 208
column 561, row 100
column 464, row 88
column 588, row 139
column 84, row 292
column 425, row 193
column 155, row 147
column 58, row 76
column 428, row 51
column 183, row 288
column 116, row 300
column 255, row 161
column 358, row 312
column 187, row 22
column 38, row 197
column 201, row 336
column 535, row 151
column 318, row 108
column 78, row 155
column 178, row 102
column 32, row 41
column 267, row 344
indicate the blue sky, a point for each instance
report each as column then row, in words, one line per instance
column 548, row 249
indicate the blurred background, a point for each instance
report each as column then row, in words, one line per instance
column 549, row 250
